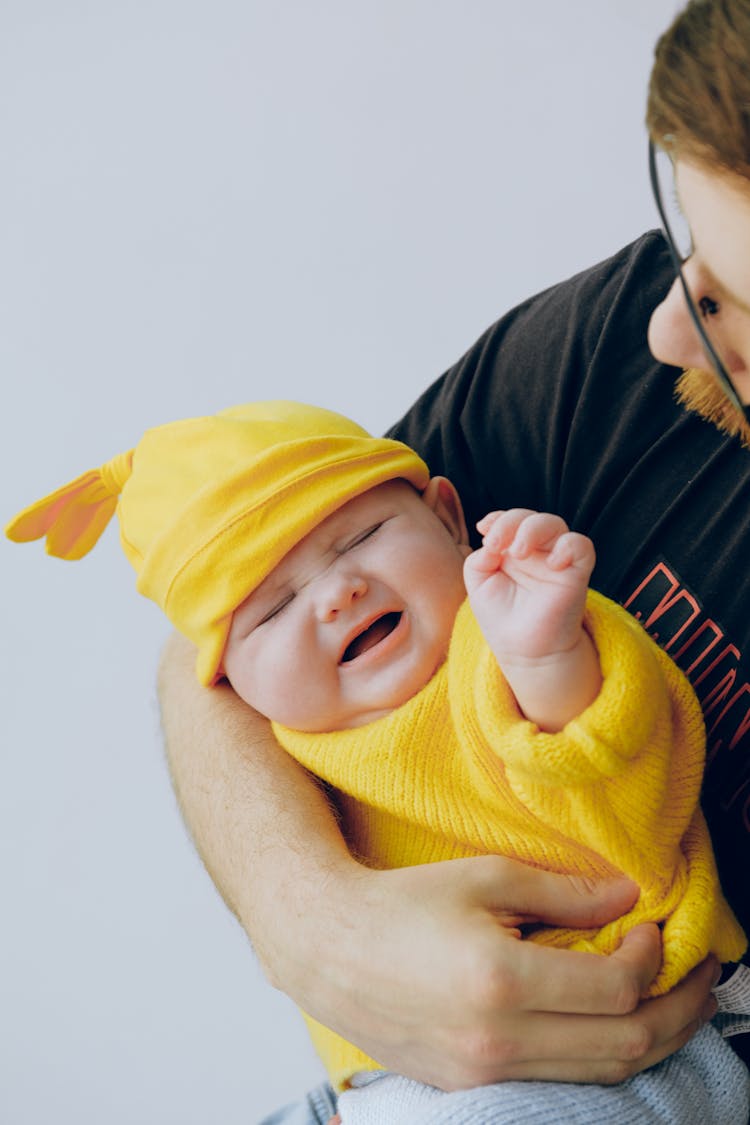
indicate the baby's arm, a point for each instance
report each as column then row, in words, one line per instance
column 527, row 586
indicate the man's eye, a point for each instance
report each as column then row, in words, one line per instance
column 277, row 609
column 363, row 535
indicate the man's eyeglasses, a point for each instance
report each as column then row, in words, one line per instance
column 677, row 234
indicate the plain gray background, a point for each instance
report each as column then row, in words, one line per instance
column 203, row 203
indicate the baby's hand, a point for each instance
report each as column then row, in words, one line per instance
column 527, row 584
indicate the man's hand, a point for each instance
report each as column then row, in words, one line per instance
column 443, row 990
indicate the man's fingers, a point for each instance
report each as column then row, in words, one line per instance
column 610, row 1049
column 545, row 979
column 528, row 894
column 641, row 953
column 598, row 1048
column 566, row 981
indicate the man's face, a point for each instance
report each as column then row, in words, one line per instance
column 717, row 209
column 356, row 618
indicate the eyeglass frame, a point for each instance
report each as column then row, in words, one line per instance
column 719, row 369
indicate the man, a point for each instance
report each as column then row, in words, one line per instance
column 565, row 384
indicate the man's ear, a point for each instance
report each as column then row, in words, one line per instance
column 441, row 497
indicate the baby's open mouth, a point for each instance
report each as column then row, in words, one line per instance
column 371, row 636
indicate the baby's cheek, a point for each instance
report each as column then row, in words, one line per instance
column 300, row 691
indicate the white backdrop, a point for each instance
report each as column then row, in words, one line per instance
column 204, row 202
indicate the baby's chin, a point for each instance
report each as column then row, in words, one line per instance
column 394, row 703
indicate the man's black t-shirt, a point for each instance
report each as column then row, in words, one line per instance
column 560, row 407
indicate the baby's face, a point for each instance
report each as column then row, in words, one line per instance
column 355, row 619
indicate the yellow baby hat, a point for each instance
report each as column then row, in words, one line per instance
column 209, row 506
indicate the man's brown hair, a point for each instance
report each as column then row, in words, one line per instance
column 699, row 92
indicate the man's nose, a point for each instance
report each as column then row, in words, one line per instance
column 672, row 335
column 337, row 591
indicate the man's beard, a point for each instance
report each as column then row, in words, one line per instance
column 701, row 392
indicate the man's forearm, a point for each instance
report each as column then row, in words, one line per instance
column 261, row 824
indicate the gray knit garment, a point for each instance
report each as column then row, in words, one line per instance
column 704, row 1083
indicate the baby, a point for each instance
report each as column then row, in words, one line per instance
column 325, row 574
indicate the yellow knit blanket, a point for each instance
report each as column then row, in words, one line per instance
column 457, row 771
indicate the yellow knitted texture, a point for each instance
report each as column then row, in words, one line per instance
column 457, row 771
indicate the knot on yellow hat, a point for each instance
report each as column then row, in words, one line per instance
column 74, row 517
column 116, row 473
column 209, row 506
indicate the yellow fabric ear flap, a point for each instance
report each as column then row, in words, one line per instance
column 74, row 517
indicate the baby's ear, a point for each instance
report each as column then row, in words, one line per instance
column 441, row 497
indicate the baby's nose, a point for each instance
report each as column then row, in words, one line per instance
column 338, row 590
